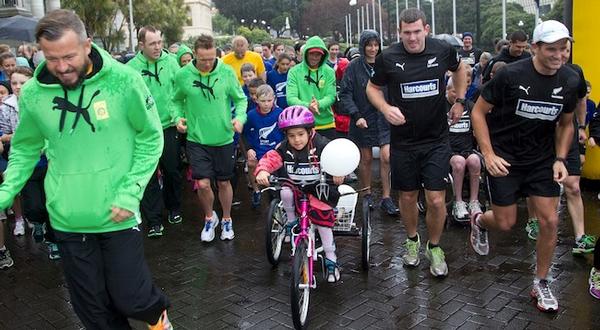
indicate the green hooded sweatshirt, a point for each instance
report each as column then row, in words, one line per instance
column 183, row 49
column 104, row 141
column 159, row 76
column 303, row 83
column 205, row 102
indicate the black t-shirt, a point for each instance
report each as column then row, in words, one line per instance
column 470, row 57
column 527, row 106
column 416, row 84
column 461, row 133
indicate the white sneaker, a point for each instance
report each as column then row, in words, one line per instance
column 227, row 230
column 19, row 228
column 208, row 233
column 459, row 211
column 474, row 207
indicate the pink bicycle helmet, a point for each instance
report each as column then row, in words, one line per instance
column 296, row 116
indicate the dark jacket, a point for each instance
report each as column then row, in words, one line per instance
column 353, row 95
column 505, row 57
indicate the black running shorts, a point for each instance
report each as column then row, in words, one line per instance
column 209, row 162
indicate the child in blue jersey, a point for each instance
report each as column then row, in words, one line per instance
column 277, row 79
column 261, row 133
column 248, row 75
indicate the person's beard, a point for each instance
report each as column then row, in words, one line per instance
column 81, row 74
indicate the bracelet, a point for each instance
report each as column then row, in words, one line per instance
column 560, row 159
column 581, row 126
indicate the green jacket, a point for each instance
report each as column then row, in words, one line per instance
column 159, row 76
column 205, row 102
column 304, row 83
column 104, row 141
column 183, row 49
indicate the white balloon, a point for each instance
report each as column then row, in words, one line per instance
column 340, row 157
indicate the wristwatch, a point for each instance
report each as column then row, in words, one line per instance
column 460, row 100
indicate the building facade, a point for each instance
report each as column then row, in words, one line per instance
column 35, row 8
column 200, row 15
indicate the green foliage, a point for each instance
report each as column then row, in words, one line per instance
column 557, row 12
column 222, row 24
column 99, row 18
column 254, row 35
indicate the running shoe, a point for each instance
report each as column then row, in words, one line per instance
column 162, row 324
column 595, row 283
column 475, row 207
column 545, row 299
column 411, row 257
column 459, row 210
column 19, row 228
column 208, row 233
column 156, row 231
column 479, row 237
column 584, row 245
column 333, row 271
column 256, row 197
column 437, row 261
column 227, row 233
column 388, row 206
column 175, row 217
column 5, row 260
column 532, row 228
column 38, row 232
column 53, row 253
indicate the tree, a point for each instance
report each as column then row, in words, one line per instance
column 254, row 36
column 99, row 18
column 272, row 12
column 557, row 12
column 222, row 24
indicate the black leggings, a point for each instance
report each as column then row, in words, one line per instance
column 33, row 198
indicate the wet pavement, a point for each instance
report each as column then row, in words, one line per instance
column 232, row 285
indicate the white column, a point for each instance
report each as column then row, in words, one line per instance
column 504, row 19
column 37, row 8
column 53, row 5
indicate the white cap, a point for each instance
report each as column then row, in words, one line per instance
column 550, row 31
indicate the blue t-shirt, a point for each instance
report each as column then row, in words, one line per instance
column 261, row 131
column 278, row 81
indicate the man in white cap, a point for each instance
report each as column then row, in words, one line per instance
column 523, row 123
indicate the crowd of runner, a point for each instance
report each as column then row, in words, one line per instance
column 91, row 147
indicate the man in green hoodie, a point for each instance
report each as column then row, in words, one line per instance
column 311, row 83
column 204, row 91
column 157, row 67
column 104, row 140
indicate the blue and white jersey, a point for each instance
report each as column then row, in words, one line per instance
column 278, row 81
column 261, row 131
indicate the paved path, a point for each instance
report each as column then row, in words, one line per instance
column 231, row 285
